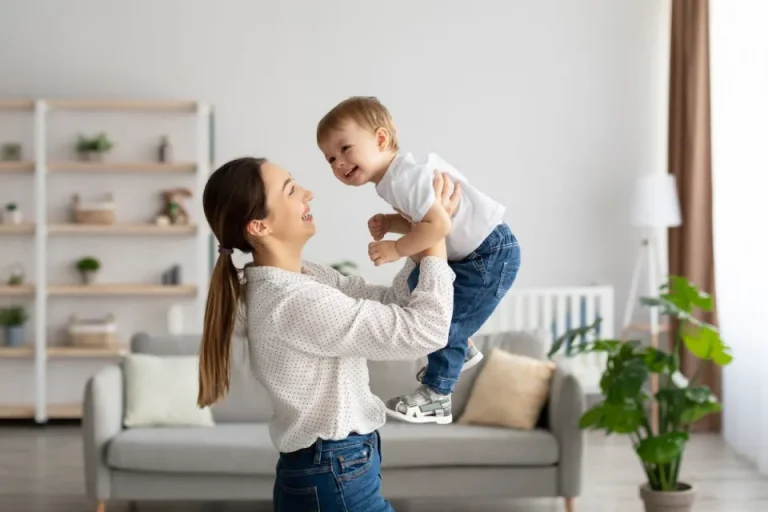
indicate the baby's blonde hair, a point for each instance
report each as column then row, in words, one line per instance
column 366, row 111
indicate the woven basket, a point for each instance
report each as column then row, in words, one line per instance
column 94, row 213
column 95, row 333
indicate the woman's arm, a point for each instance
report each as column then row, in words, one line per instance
column 325, row 322
column 358, row 288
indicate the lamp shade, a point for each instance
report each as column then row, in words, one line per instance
column 654, row 202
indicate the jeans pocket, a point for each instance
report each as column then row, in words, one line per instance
column 506, row 279
column 355, row 461
column 292, row 498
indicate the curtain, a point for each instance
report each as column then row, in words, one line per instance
column 691, row 252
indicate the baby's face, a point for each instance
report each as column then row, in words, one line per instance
column 356, row 155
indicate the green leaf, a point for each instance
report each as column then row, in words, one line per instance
column 705, row 343
column 699, row 402
column 593, row 418
column 627, row 382
column 622, row 418
column 568, row 338
column 658, row 361
column 662, row 449
column 688, row 405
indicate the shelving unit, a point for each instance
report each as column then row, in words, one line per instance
column 40, row 168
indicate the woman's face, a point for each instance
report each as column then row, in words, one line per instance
column 289, row 218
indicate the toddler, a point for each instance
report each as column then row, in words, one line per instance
column 359, row 141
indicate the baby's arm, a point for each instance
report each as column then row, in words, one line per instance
column 399, row 224
column 435, row 226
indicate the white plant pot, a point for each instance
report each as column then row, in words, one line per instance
column 12, row 217
column 668, row 501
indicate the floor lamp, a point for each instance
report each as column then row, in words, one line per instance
column 654, row 206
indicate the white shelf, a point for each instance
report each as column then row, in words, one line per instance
column 63, row 352
column 22, row 167
column 46, row 171
column 21, row 411
column 96, row 290
column 124, row 105
column 20, row 104
column 123, row 167
column 25, row 228
column 21, row 290
column 121, row 229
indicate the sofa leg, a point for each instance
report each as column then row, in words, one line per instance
column 569, row 506
column 101, row 507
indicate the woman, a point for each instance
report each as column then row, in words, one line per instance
column 310, row 331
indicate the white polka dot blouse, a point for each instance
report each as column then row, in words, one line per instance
column 309, row 335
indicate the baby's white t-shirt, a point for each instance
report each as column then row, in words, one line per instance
column 407, row 187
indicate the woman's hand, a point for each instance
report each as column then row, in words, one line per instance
column 449, row 201
column 442, row 185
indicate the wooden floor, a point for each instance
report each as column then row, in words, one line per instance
column 41, row 471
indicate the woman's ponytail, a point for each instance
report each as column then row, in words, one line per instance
column 220, row 310
column 234, row 195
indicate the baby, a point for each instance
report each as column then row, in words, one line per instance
column 359, row 141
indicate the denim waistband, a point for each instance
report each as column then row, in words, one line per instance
column 322, row 446
column 501, row 236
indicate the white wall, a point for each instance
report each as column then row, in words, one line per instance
column 550, row 106
column 739, row 109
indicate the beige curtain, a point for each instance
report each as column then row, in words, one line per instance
column 691, row 251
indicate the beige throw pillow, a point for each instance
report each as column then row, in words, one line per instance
column 510, row 391
column 162, row 391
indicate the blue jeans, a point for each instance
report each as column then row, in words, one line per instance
column 332, row 476
column 482, row 279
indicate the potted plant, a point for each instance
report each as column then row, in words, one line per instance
column 345, row 268
column 16, row 276
column 13, row 319
column 88, row 268
column 92, row 149
column 680, row 401
column 12, row 214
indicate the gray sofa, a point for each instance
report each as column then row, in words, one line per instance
column 235, row 460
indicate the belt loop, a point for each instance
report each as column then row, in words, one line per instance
column 318, row 450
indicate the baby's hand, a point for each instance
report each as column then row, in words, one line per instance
column 383, row 252
column 378, row 225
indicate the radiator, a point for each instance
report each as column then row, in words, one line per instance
column 555, row 310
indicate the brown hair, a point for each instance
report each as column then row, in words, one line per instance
column 233, row 196
column 366, row 111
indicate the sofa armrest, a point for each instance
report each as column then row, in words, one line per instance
column 102, row 421
column 567, row 403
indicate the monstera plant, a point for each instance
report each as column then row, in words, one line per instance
column 680, row 401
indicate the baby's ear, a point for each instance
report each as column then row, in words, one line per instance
column 382, row 138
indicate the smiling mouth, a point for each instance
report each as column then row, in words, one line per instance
column 307, row 216
column 351, row 172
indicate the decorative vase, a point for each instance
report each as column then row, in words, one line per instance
column 88, row 276
column 680, row 500
column 165, row 151
column 92, row 156
column 12, row 216
column 14, row 335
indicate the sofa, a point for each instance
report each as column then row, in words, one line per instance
column 235, row 460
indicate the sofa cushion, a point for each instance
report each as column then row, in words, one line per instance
column 240, row 448
column 235, row 448
column 162, row 391
column 246, row 402
column 510, row 392
column 430, row 445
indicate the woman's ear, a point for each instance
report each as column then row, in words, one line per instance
column 257, row 228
